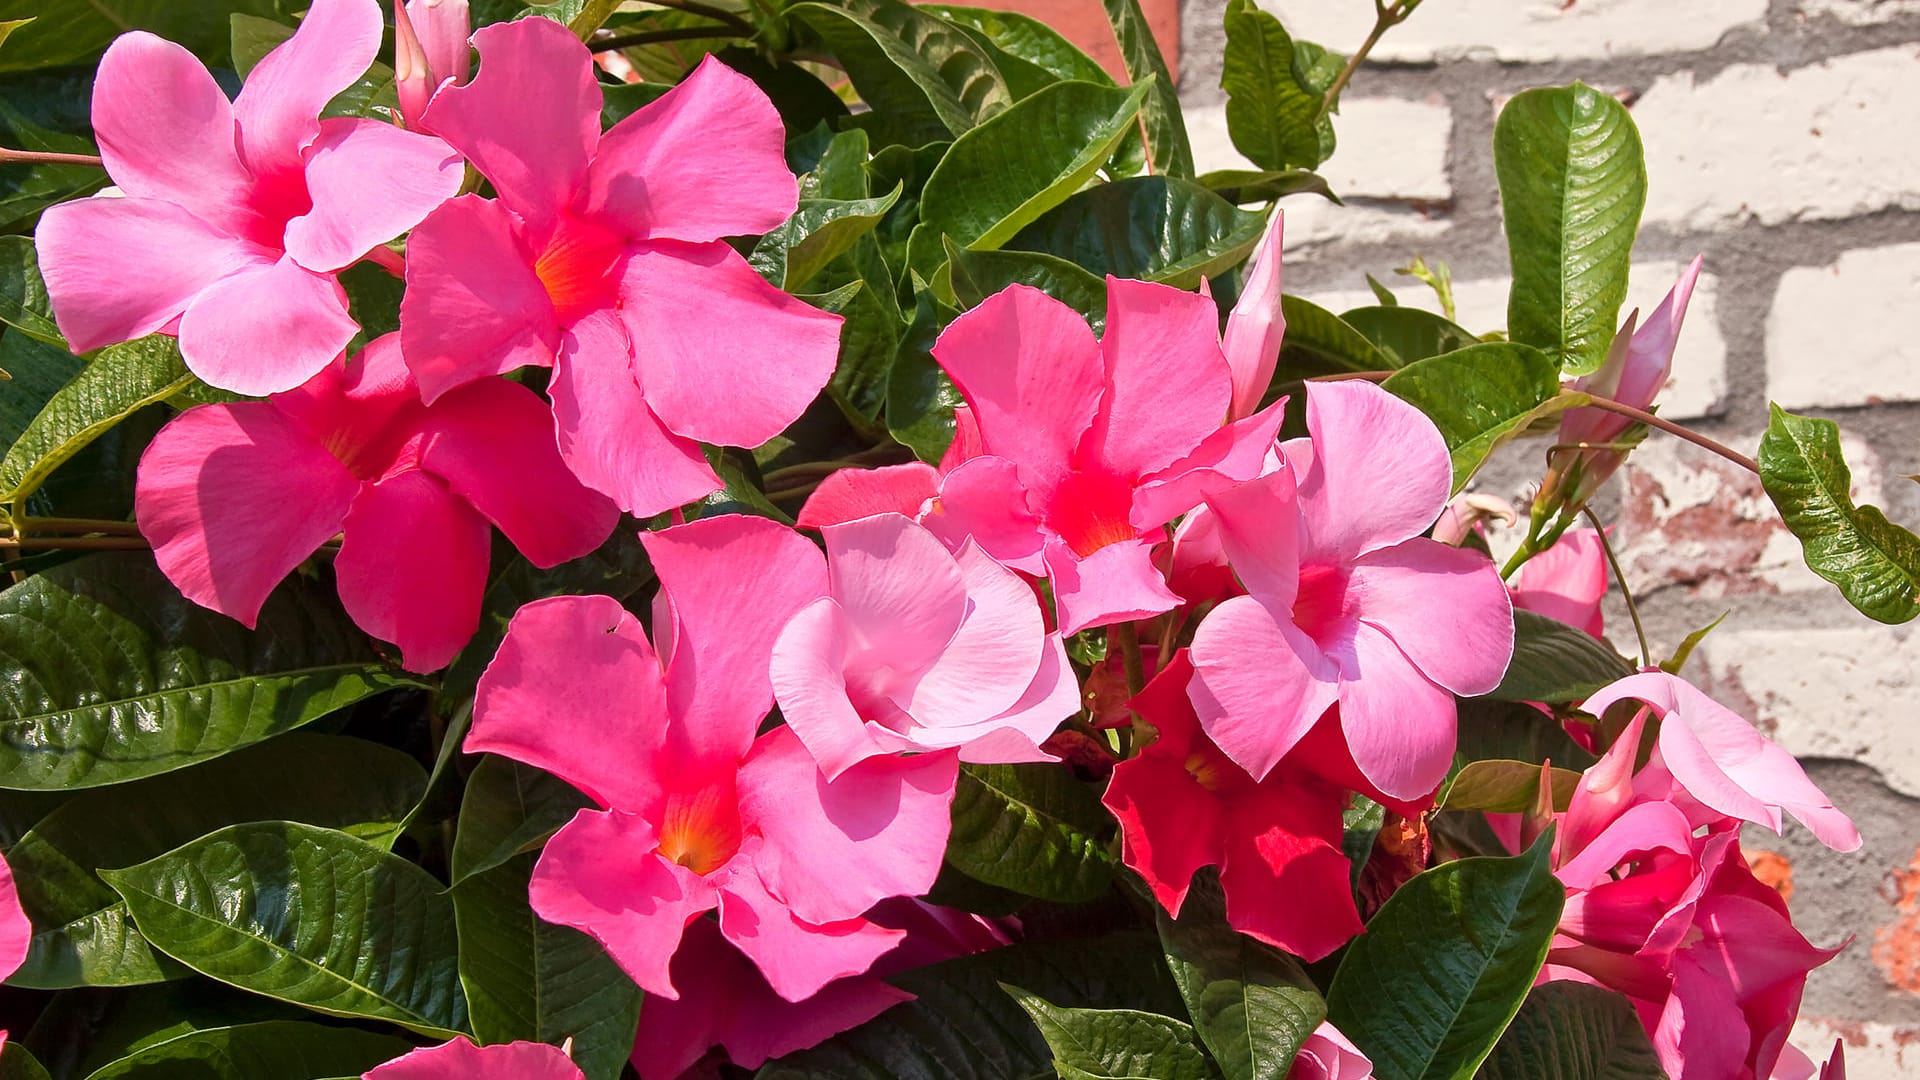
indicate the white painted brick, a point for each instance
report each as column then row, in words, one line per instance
column 1874, row 1051
column 1314, row 223
column 1822, row 142
column 1847, row 334
column 1860, row 12
column 1699, row 380
column 1524, row 30
column 1387, row 149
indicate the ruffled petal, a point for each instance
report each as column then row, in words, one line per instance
column 166, row 132
column 1239, row 451
column 473, row 306
column 724, row 356
column 232, row 498
column 704, row 161
column 1116, row 583
column 1167, row 383
column 983, row 500
column 903, row 593
column 1445, row 607
column 1259, row 684
column 1399, row 725
column 278, row 110
column 810, row 683
column 462, row 1060
column 1566, row 581
column 370, row 182
column 994, row 654
column 797, row 958
column 1379, row 474
column 263, row 331
column 857, row 493
column 1170, row 826
column 16, row 932
column 1286, row 878
column 1258, row 525
column 412, row 567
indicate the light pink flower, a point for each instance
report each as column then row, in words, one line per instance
column 915, row 648
column 234, row 497
column 429, row 50
column 237, row 216
column 695, row 811
column 1566, row 582
column 725, row 1002
column 1182, row 805
column 1347, row 601
column 1255, row 326
column 1327, row 1055
column 462, row 1060
column 603, row 258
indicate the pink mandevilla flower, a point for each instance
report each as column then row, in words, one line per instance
column 1566, row 582
column 237, row 215
column 1182, row 805
column 16, row 932
column 1255, row 326
column 1327, row 1055
column 234, row 497
column 696, row 812
column 1347, row 602
column 429, row 50
column 462, row 1060
column 603, row 258
column 916, row 648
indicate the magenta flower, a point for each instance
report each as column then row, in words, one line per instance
column 603, row 258
column 1347, row 602
column 234, row 497
column 696, row 812
column 1566, row 582
column 1327, row 1055
column 915, row 648
column 462, row 1060
column 1255, row 326
column 237, row 216
column 1182, row 805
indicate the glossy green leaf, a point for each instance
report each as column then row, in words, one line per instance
column 1153, row 228
column 1445, row 964
column 1505, row 786
column 77, row 31
column 108, row 674
column 1318, row 342
column 45, row 111
column 306, row 915
column 1574, row 1031
column 18, row 1063
column 1554, row 662
column 920, row 397
column 1572, row 184
column 1361, row 823
column 1027, row 39
column 870, row 334
column 281, row 1049
column 1167, row 144
column 24, row 304
column 509, row 808
column 1490, row 729
column 529, row 979
column 1874, row 563
column 927, row 79
column 977, row 275
column 1115, row 1044
column 1408, row 334
column 1243, row 186
column 1251, row 1004
column 819, row 231
column 38, row 372
column 1275, row 92
column 1034, row 829
column 1481, row 396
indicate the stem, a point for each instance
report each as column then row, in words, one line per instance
column 1620, row 577
column 81, row 525
column 75, row 543
column 694, row 7
column 1385, row 18
column 9, row 156
column 1127, row 638
column 655, row 37
column 590, row 17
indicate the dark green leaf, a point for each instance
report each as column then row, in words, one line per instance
column 282, row 1049
column 45, row 111
column 819, row 231
column 1245, row 186
column 1572, row 184
column 1027, row 39
column 1514, row 729
column 1274, row 93
column 1361, row 824
column 1445, row 964
column 1574, row 1031
column 18, row 1063
column 1167, row 144
column 979, row 274
column 1318, row 342
column 1154, row 228
column 1407, row 334
column 306, row 915
column 39, row 371
column 74, row 31
column 1554, row 662
column 24, row 304
column 869, row 339
column 1034, row 829
column 926, row 79
column 1481, row 396
column 1874, row 563
column 509, row 808
column 1505, row 786
column 920, row 397
column 529, row 979
column 1115, row 1044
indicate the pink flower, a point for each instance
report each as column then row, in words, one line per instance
column 429, row 50
column 16, row 932
column 1182, row 805
column 1566, row 582
column 725, row 1002
column 603, row 258
column 234, row 497
column 1255, row 326
column 237, row 216
column 462, row 1060
column 915, row 648
column 1347, row 602
column 696, row 812
column 1327, row 1055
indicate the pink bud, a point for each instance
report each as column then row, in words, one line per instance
column 1255, row 325
column 430, row 49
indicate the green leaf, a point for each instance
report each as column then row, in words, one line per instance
column 83, row 936
column 979, row 274
column 1243, row 186
column 1001, row 176
column 1515, row 730
column 1408, row 334
column 1027, row 38
column 45, row 111
column 1445, row 964
column 1678, row 660
column 529, row 979
column 1274, row 92
column 1554, row 662
column 253, row 37
column 1154, row 228
column 108, row 674
column 1573, row 1031
column 509, row 808
column 1251, row 1003
column 309, row 916
column 1572, row 184
column 962, row 1025
column 1504, row 786
column 1034, row 829
column 24, row 304
column 1360, row 827
column 819, row 231
column 927, row 80
column 39, row 370
column 18, row 1063
column 1167, row 144
column 115, row 384
column 282, row 1049
column 1874, row 563
column 75, row 31
column 1481, row 396
column 920, row 397
column 1318, row 342
column 1115, row 1044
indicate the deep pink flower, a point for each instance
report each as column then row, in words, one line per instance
column 462, row 1060
column 724, row 1001
column 234, row 497
column 1182, row 805
column 1255, row 326
column 237, row 216
column 1566, row 582
column 429, row 50
column 696, row 812
column 16, row 932
column 1347, row 602
column 1327, row 1055
column 603, row 258
column 915, row 648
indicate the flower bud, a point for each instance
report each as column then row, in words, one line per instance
column 430, row 49
column 1255, row 325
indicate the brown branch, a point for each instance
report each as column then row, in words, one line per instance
column 10, row 156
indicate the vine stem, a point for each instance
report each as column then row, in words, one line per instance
column 718, row 14
column 80, row 525
column 1620, row 578
column 656, row 37
column 1127, row 638
column 1385, row 18
column 75, row 543
column 10, row 156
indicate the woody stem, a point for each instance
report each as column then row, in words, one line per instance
column 9, row 156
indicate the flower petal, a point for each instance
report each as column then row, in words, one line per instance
column 16, row 932
column 370, row 182
column 1566, row 581
column 856, row 493
column 232, row 498
column 303, row 314
column 809, row 682
column 902, row 592
column 412, row 567
column 983, row 500
column 994, row 654
column 1258, row 524
column 278, row 109
column 797, row 958
column 1170, row 826
column 705, row 161
column 473, row 306
column 1255, row 326
column 1239, row 451
column 1399, row 725
column 1286, row 878
column 463, row 1060
column 724, row 357
column 1445, row 607
column 1116, row 583
column 1259, row 684
column 166, row 132
column 1167, row 384
column 1379, row 472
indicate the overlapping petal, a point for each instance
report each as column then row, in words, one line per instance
column 226, row 325
column 462, row 1060
column 412, row 567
